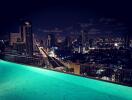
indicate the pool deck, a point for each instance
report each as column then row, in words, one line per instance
column 21, row 82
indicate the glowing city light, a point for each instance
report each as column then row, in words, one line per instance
column 116, row 44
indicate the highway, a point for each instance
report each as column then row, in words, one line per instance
column 54, row 62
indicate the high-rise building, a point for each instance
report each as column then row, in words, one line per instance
column 83, row 37
column 50, row 40
column 22, row 32
column 27, row 36
column 91, row 41
column 2, row 49
column 127, row 40
column 68, row 41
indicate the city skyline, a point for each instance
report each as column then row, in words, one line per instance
column 65, row 50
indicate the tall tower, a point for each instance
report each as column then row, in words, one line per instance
column 127, row 40
column 83, row 37
column 50, row 40
column 2, row 49
column 27, row 36
column 22, row 32
column 83, row 41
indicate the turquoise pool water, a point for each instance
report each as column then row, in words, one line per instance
column 20, row 82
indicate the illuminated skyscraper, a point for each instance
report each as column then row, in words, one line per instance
column 27, row 37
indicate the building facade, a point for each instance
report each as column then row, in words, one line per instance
column 27, row 36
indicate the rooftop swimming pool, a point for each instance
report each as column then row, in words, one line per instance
column 21, row 82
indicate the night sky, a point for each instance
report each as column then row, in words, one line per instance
column 56, row 13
